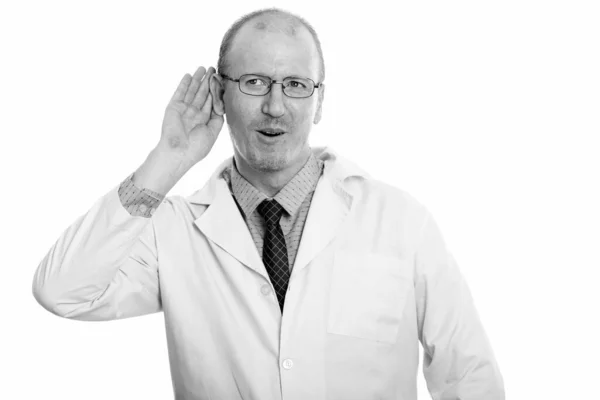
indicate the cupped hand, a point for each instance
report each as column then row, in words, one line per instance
column 190, row 125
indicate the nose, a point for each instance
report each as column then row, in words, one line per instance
column 273, row 102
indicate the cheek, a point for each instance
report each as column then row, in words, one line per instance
column 239, row 112
column 305, row 115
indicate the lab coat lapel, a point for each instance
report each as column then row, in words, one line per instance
column 329, row 207
column 223, row 224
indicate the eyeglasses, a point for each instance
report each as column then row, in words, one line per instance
column 259, row 85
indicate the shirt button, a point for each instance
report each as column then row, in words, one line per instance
column 143, row 208
column 265, row 289
column 288, row 363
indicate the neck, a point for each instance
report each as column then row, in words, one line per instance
column 270, row 182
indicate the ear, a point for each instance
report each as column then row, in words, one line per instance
column 321, row 90
column 216, row 91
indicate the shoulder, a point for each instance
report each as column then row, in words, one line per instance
column 369, row 190
column 177, row 208
column 194, row 205
column 389, row 216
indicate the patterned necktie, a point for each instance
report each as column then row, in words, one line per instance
column 275, row 254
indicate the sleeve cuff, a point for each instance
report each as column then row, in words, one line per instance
column 139, row 202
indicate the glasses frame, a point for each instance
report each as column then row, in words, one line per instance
column 315, row 85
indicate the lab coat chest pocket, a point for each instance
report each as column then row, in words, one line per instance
column 367, row 296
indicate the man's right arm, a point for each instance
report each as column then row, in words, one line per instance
column 104, row 265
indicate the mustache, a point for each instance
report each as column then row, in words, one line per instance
column 275, row 124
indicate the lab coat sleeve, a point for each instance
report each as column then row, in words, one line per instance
column 458, row 360
column 104, row 266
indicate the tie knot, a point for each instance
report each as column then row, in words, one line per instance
column 270, row 210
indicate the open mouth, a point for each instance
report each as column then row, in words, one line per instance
column 270, row 132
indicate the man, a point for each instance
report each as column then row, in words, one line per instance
column 292, row 274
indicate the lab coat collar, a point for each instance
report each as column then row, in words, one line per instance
column 223, row 224
column 337, row 169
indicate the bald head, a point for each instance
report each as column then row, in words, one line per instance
column 270, row 20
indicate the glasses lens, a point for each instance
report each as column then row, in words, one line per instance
column 298, row 87
column 255, row 85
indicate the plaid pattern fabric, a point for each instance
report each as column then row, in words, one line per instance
column 139, row 202
column 275, row 254
column 295, row 198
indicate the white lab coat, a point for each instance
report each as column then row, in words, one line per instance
column 372, row 278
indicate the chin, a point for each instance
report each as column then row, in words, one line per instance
column 269, row 163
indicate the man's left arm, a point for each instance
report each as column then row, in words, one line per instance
column 458, row 363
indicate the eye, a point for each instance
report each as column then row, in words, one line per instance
column 256, row 82
column 296, row 84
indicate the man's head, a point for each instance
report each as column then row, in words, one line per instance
column 277, row 45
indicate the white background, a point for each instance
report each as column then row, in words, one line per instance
column 487, row 112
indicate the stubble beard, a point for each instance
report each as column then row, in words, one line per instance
column 273, row 162
column 260, row 161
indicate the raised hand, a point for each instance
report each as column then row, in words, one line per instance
column 190, row 126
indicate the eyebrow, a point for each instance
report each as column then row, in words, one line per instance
column 267, row 76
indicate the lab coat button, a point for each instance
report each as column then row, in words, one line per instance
column 288, row 363
column 143, row 208
column 265, row 289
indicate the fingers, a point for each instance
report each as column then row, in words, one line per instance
column 199, row 99
column 215, row 123
column 193, row 88
column 207, row 106
column 182, row 88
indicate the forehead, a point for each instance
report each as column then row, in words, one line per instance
column 274, row 47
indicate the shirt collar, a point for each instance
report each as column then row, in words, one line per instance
column 291, row 196
column 337, row 169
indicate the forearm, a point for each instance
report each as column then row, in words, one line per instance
column 161, row 170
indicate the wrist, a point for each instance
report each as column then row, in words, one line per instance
column 160, row 171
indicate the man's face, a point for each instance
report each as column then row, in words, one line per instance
column 276, row 54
